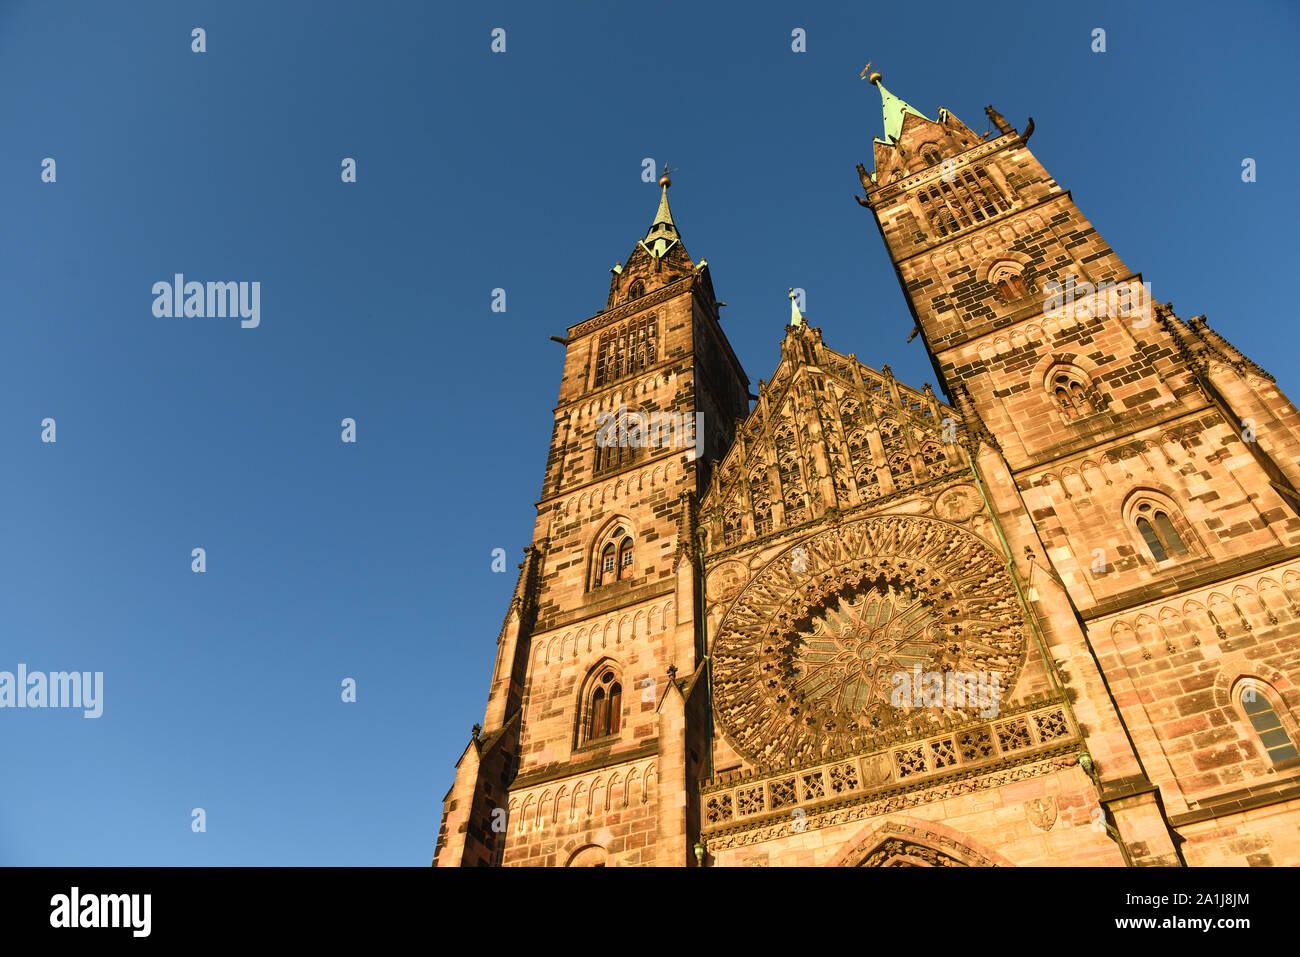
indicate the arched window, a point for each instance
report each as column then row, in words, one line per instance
column 602, row 713
column 613, row 557
column 636, row 290
column 961, row 199
column 608, row 572
column 987, row 191
column 930, row 154
column 1258, row 703
column 619, row 437
column 623, row 350
column 1009, row 281
column 1071, row 392
column 615, row 456
column 592, row 855
column 625, row 558
column 1157, row 530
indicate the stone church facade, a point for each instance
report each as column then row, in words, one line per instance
column 1051, row 618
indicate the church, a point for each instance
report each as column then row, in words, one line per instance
column 1045, row 613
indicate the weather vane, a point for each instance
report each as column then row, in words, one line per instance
column 664, row 181
column 863, row 74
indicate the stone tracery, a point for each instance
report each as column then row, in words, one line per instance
column 804, row 658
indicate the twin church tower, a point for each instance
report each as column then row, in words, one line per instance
column 1050, row 615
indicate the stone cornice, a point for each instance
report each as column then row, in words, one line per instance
column 1170, row 584
column 885, row 193
column 610, row 477
column 1090, row 445
column 964, row 234
column 661, row 294
column 1238, row 802
column 1034, row 310
column 604, row 760
column 678, row 363
column 597, row 609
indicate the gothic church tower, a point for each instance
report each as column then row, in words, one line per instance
column 596, row 728
column 1156, row 465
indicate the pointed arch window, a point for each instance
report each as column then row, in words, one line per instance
column 613, row 456
column 960, row 200
column 956, row 204
column 614, row 558
column 1158, row 531
column 619, row 438
column 608, row 572
column 987, row 191
column 627, row 349
column 930, row 154
column 636, row 290
column 1259, row 704
column 602, row 713
column 1161, row 534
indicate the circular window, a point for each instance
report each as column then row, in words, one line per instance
column 891, row 595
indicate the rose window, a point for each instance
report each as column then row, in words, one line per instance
column 848, row 658
column 804, row 662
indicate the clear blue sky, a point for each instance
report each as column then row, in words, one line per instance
column 475, row 171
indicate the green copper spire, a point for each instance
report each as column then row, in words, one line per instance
column 663, row 231
column 894, row 110
column 796, row 317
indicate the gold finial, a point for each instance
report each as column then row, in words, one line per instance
column 870, row 78
column 664, row 181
